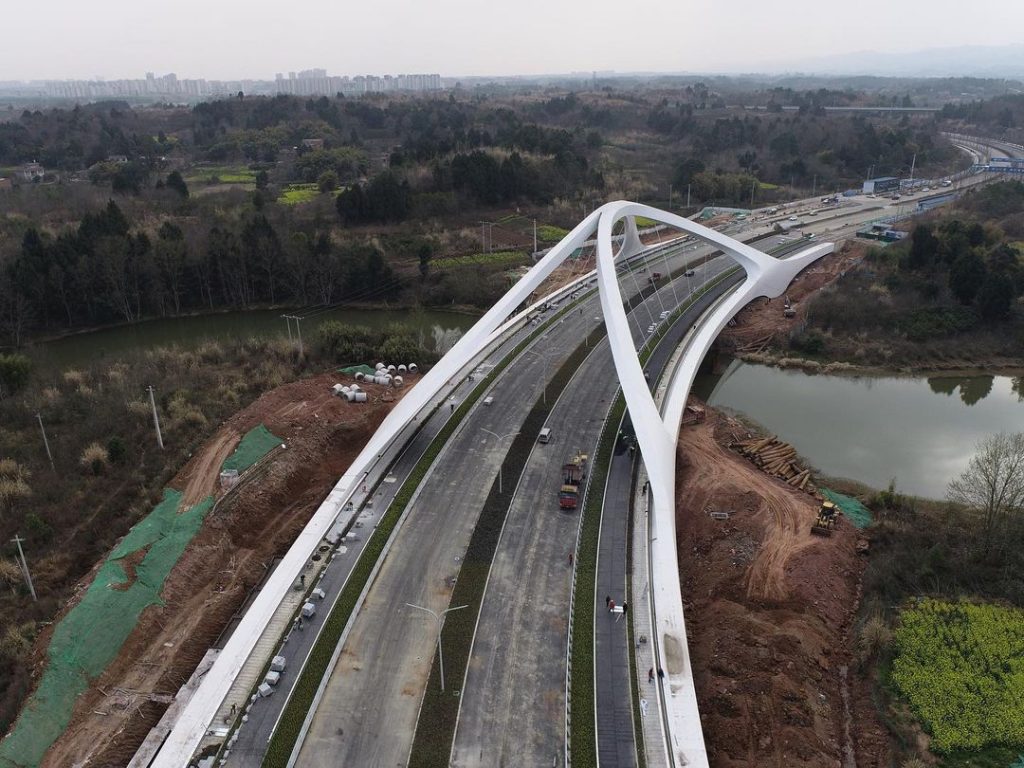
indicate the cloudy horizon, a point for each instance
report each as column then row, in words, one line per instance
column 116, row 39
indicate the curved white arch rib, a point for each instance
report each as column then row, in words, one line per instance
column 657, row 436
column 767, row 277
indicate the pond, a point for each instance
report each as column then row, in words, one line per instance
column 919, row 431
column 438, row 331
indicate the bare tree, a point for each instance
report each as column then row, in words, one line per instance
column 993, row 483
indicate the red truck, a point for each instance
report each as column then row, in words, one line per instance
column 573, row 475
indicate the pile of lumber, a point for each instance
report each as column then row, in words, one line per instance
column 779, row 459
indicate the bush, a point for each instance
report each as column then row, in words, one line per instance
column 117, row 450
column 94, row 458
column 14, row 373
column 810, row 343
column 874, row 638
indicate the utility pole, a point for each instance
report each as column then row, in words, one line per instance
column 752, row 185
column 298, row 330
column 913, row 163
column 687, row 197
column 670, row 196
column 24, row 567
column 534, row 235
column 440, row 655
column 45, row 441
column 814, row 187
column 156, row 418
column 288, row 322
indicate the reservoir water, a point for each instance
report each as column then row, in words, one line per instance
column 437, row 330
column 920, row 431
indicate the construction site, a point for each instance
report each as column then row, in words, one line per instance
column 142, row 620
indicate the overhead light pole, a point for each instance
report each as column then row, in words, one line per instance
column 500, row 438
column 438, row 619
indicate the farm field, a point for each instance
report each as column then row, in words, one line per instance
column 295, row 194
column 221, row 174
column 961, row 667
column 494, row 259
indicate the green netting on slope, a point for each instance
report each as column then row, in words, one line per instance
column 352, row 370
column 852, row 509
column 256, row 444
column 92, row 633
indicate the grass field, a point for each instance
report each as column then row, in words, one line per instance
column 550, row 233
column 961, row 667
column 221, row 174
column 295, row 194
column 494, row 259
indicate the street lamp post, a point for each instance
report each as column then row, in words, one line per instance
column 438, row 618
column 544, row 357
column 500, row 438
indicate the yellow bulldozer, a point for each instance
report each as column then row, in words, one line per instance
column 826, row 521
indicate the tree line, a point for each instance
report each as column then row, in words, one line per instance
column 108, row 270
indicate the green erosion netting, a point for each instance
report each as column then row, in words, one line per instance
column 90, row 636
column 352, row 370
column 256, row 444
column 852, row 509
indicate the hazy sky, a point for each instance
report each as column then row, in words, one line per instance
column 256, row 38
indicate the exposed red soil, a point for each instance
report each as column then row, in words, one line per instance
column 225, row 560
column 769, row 614
column 761, row 323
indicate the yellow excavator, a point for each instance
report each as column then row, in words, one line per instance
column 826, row 519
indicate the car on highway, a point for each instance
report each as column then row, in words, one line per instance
column 690, row 273
column 792, row 218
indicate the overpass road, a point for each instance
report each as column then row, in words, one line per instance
column 368, row 713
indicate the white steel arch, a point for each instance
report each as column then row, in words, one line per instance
column 766, row 276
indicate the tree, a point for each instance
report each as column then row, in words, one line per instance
column 262, row 179
column 177, row 183
column 995, row 296
column 328, row 181
column 924, row 247
column 14, row 373
column 425, row 253
column 966, row 277
column 993, row 484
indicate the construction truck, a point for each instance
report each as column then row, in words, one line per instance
column 826, row 519
column 573, row 474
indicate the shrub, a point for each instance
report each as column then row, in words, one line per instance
column 117, row 450
column 74, row 378
column 913, row 762
column 139, row 408
column 94, row 458
column 874, row 638
column 14, row 373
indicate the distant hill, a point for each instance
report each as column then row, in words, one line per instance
column 965, row 61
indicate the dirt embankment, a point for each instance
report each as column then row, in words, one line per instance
column 228, row 556
column 769, row 615
column 762, row 324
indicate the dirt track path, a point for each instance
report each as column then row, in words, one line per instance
column 788, row 517
column 201, row 473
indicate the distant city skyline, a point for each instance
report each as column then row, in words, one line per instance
column 311, row 82
column 231, row 40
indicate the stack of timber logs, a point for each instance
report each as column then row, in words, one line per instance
column 779, row 459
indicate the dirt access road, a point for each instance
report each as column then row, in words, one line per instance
column 228, row 556
column 769, row 614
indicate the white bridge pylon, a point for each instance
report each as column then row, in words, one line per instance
column 766, row 276
column 658, row 435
